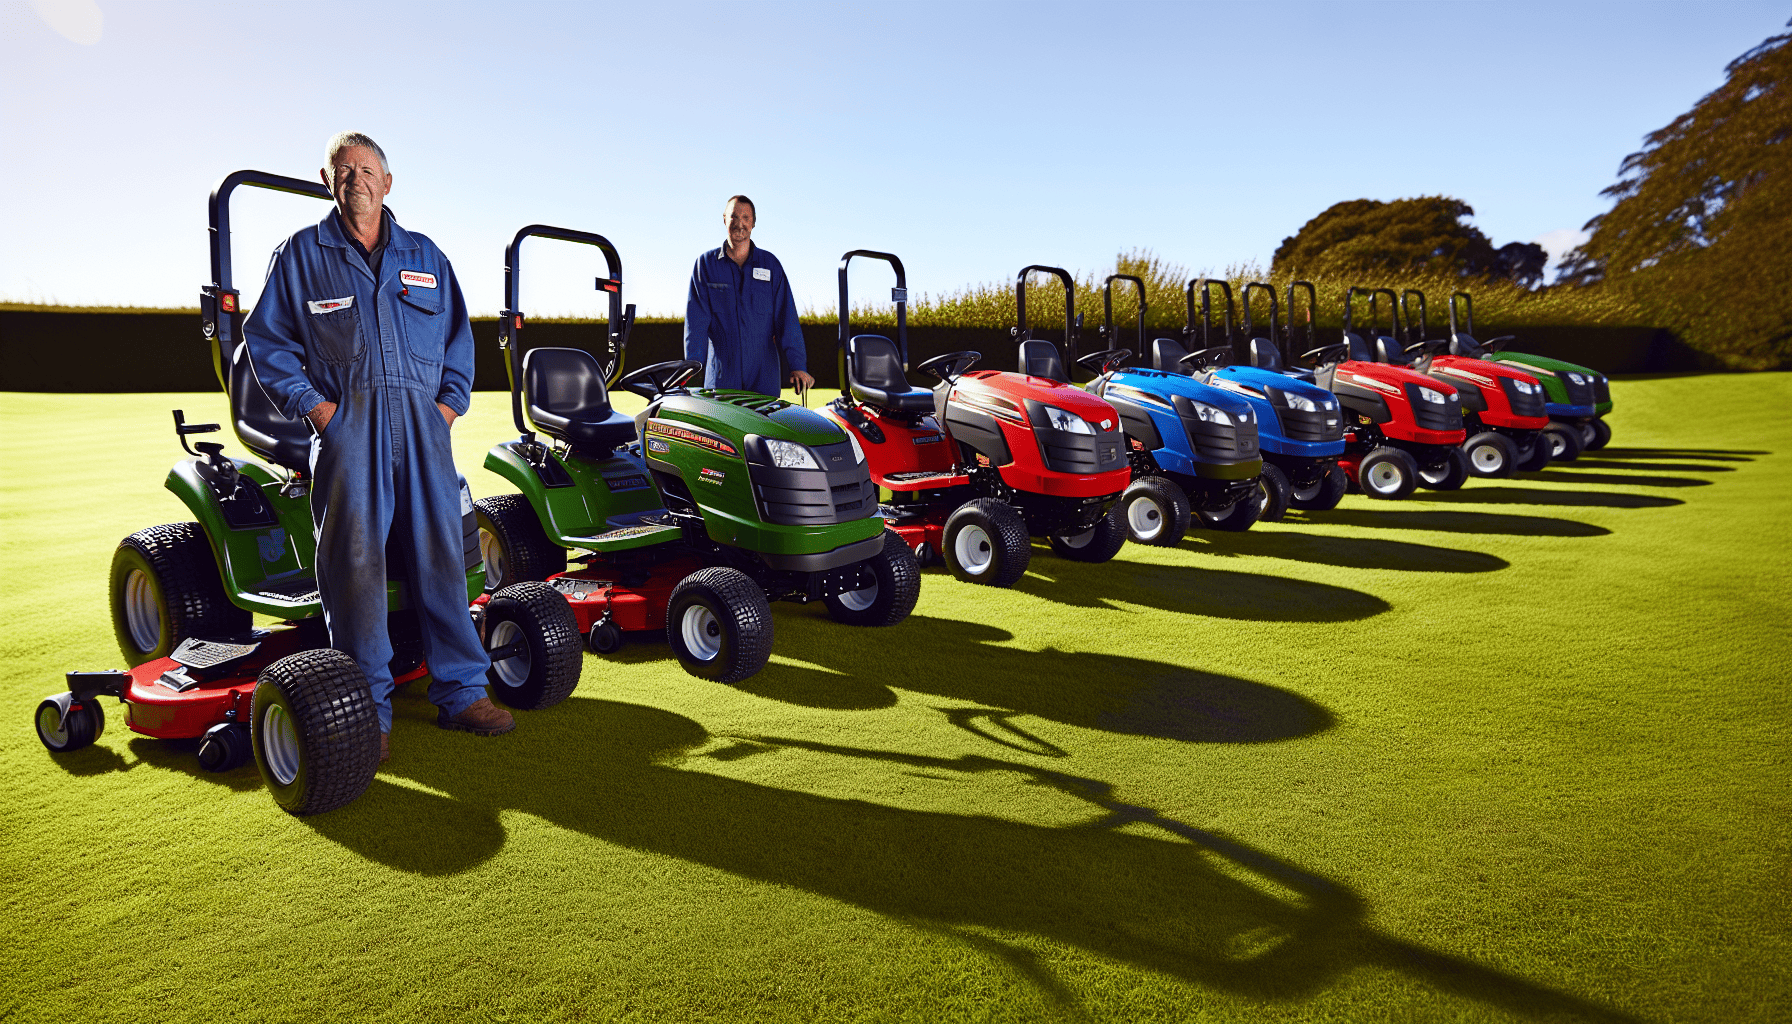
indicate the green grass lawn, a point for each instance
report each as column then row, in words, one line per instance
column 1515, row 753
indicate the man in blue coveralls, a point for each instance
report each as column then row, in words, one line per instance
column 361, row 329
column 740, row 313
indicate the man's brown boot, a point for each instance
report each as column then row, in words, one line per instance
column 482, row 719
column 385, row 747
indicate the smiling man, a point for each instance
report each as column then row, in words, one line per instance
column 741, row 313
column 361, row 328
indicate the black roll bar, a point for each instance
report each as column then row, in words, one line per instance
column 220, row 304
column 1274, row 311
column 1312, row 302
column 1421, row 326
column 1374, row 294
column 1468, row 313
column 898, row 295
column 1109, row 335
column 1024, row 332
column 1205, row 284
column 510, row 320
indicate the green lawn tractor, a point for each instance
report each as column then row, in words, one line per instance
column 1577, row 398
column 688, row 518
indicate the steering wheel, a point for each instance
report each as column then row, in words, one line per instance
column 1105, row 361
column 1429, row 345
column 1499, row 344
column 651, row 382
column 950, row 365
column 1202, row 358
column 1318, row 354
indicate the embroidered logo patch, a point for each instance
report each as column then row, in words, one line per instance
column 762, row 273
column 416, row 279
column 330, row 305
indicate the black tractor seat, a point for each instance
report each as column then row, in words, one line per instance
column 1390, row 351
column 260, row 425
column 1359, row 350
column 1039, row 358
column 566, row 397
column 874, row 376
column 1263, row 354
column 1464, row 345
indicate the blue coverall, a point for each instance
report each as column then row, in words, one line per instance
column 385, row 350
column 737, row 318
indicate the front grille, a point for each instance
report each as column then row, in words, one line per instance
column 1578, row 394
column 1319, row 425
column 814, row 497
column 1065, row 452
column 1430, row 415
column 1522, row 404
column 1602, row 390
column 1216, row 442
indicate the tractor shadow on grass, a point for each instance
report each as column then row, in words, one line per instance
column 1091, row 691
column 1556, row 476
column 1190, row 590
column 1529, row 496
column 1592, row 460
column 1180, row 901
column 183, row 756
column 1706, row 454
column 414, row 831
column 1344, row 552
column 1493, row 523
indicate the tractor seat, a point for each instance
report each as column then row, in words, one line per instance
column 260, row 425
column 1166, row 355
column 1359, row 349
column 1390, row 351
column 1040, row 359
column 1464, row 345
column 564, row 389
column 874, row 376
column 1263, row 354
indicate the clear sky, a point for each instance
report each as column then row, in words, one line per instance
column 969, row 138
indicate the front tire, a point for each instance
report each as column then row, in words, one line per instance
column 547, row 669
column 1449, row 474
column 719, row 625
column 1563, row 441
column 1602, row 436
column 1099, row 543
column 986, row 542
column 1273, row 494
column 1155, row 511
column 1322, row 495
column 512, row 543
column 1534, row 457
column 1239, row 516
column 165, row 588
column 314, row 731
column 890, row 599
column 1491, row 454
column 60, row 735
column 1388, row 473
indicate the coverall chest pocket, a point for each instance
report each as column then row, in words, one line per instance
column 421, row 313
column 759, row 297
column 336, row 335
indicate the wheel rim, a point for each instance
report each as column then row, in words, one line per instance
column 1384, row 477
column 1587, row 434
column 50, row 725
column 492, row 552
column 1262, row 496
column 511, row 671
column 1077, row 540
column 1557, row 445
column 143, row 617
column 1145, row 517
column 859, row 600
column 280, row 744
column 1307, row 493
column 973, row 549
column 702, row 632
column 1487, row 458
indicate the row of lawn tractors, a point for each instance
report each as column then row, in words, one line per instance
column 687, row 519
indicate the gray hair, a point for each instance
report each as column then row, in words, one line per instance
column 343, row 140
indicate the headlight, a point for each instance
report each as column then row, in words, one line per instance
column 1434, row 397
column 786, row 455
column 1209, row 414
column 1297, row 402
column 1067, row 421
column 858, row 453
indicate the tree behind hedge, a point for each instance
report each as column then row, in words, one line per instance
column 1425, row 235
column 1698, row 233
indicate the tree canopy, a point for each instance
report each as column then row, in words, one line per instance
column 1701, row 216
column 1426, row 234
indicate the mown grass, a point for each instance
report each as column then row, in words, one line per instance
column 1517, row 753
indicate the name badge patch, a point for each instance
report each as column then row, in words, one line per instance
column 330, row 305
column 762, row 273
column 416, row 279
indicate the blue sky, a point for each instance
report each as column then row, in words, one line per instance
column 969, row 138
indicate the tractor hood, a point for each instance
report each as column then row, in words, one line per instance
column 740, row 413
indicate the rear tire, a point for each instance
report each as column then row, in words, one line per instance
column 512, row 543
column 1534, row 458
column 548, row 670
column 1324, row 495
column 1155, row 511
column 986, row 542
column 891, row 598
column 1099, row 543
column 60, row 735
column 719, row 625
column 1491, row 454
column 1564, row 442
column 165, row 587
column 1602, row 436
column 314, row 730
column 1275, row 493
column 1240, row 515
column 1447, row 475
column 1388, row 473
